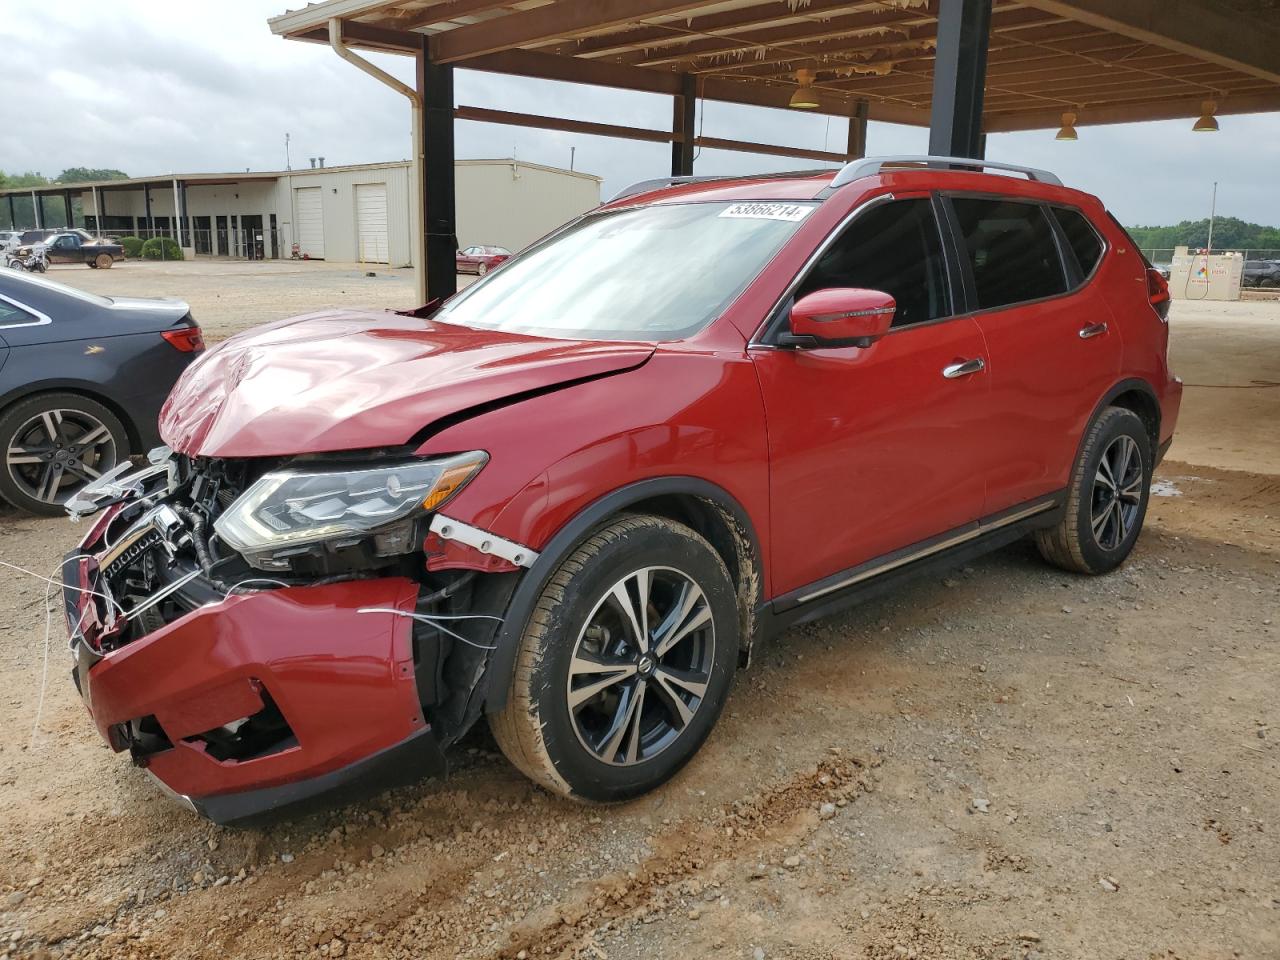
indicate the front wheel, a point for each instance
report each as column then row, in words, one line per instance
column 625, row 663
column 1107, row 499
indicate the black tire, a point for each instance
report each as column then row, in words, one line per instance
column 103, row 261
column 547, row 739
column 41, row 484
column 1100, row 525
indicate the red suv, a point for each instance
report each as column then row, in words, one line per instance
column 573, row 499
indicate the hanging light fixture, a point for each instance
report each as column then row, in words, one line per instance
column 1207, row 123
column 1068, row 130
column 805, row 97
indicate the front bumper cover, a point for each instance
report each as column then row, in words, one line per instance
column 344, row 683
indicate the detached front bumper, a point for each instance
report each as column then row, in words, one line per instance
column 335, row 690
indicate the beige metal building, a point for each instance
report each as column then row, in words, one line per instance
column 351, row 213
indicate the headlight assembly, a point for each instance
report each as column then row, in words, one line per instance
column 286, row 511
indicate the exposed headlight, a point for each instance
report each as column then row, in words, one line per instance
column 292, row 508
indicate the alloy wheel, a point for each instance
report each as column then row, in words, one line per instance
column 58, row 451
column 641, row 666
column 1117, row 492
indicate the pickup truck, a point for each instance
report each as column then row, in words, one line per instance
column 73, row 247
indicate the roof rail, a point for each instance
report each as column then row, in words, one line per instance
column 656, row 183
column 873, row 165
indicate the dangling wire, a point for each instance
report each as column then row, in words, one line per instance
column 432, row 620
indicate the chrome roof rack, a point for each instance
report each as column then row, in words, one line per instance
column 873, row 165
column 656, row 183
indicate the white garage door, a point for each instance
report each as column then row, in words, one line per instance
column 371, row 222
column 310, row 213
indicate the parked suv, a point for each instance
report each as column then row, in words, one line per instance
column 574, row 497
column 1261, row 273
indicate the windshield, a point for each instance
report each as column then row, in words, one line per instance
column 645, row 273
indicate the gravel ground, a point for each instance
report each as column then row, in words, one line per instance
column 1005, row 762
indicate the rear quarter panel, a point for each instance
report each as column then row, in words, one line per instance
column 1145, row 336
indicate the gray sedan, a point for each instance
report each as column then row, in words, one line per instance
column 82, row 380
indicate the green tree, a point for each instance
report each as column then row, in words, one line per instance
column 1229, row 233
column 91, row 174
column 28, row 179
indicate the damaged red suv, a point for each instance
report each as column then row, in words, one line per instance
column 571, row 500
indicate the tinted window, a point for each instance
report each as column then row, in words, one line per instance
column 893, row 247
column 1011, row 250
column 10, row 315
column 1081, row 237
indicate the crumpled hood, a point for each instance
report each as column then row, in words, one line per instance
column 350, row 379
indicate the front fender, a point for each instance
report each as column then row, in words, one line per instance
column 696, row 415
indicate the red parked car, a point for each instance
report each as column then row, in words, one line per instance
column 480, row 259
column 574, row 497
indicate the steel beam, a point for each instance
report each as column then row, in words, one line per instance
column 857, row 148
column 959, row 75
column 436, row 191
column 683, row 116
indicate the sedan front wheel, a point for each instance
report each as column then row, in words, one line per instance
column 55, row 444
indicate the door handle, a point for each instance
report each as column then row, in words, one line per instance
column 964, row 368
column 1093, row 330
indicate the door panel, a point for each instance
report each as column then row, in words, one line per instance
column 872, row 449
column 1051, row 357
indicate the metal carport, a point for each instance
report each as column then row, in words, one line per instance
column 963, row 68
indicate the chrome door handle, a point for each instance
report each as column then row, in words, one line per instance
column 1093, row 330
column 964, row 368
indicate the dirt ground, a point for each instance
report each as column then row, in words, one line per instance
column 1004, row 762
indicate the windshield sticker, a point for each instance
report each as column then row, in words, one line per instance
column 766, row 211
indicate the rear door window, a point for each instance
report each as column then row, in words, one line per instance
column 1010, row 250
column 1081, row 238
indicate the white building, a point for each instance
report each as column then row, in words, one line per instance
column 353, row 213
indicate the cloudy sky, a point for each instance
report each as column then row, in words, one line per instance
column 155, row 88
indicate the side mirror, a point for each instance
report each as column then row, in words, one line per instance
column 840, row 317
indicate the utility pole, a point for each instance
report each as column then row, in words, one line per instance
column 572, row 151
column 1213, row 209
column 287, row 164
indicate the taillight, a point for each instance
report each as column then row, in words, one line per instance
column 1158, row 292
column 186, row 339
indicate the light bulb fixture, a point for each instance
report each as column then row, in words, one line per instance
column 1207, row 123
column 1068, row 130
column 805, row 97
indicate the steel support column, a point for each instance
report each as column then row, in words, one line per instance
column 959, row 75
column 146, row 205
column 857, row 147
column 13, row 217
column 187, row 238
column 436, row 191
column 37, row 209
column 68, row 218
column 683, row 117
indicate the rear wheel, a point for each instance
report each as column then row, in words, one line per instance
column 482, row 269
column 55, row 444
column 625, row 663
column 103, row 261
column 1107, row 500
